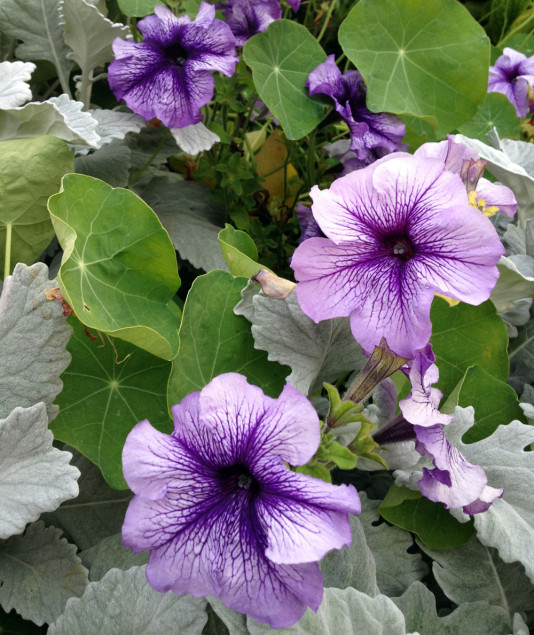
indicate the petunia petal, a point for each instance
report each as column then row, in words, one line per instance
column 303, row 517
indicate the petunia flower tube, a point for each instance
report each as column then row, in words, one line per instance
column 248, row 17
column 368, row 130
column 512, row 74
column 221, row 512
column 167, row 76
column 398, row 231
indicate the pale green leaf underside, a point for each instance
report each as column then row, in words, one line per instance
column 281, row 60
column 119, row 267
column 426, row 59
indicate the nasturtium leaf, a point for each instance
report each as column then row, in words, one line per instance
column 239, row 252
column 33, row 341
column 38, row 27
column 213, row 341
column 30, row 171
column 418, row 605
column 315, row 352
column 89, row 34
column 108, row 554
column 96, row 513
column 346, row 611
column 123, row 602
column 495, row 112
column 35, row 476
column 396, row 567
column 119, row 270
column 188, row 213
column 281, row 59
column 39, row 572
column 14, row 87
column 433, row 524
column 426, row 59
column 474, row 573
column 137, row 8
column 58, row 116
column 464, row 335
column 494, row 401
column 109, row 386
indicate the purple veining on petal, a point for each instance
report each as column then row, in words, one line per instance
column 397, row 232
column 382, row 132
column 167, row 76
column 248, row 17
column 453, row 481
column 220, row 511
column 511, row 75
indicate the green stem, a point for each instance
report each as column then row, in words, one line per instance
column 139, row 173
column 327, row 20
column 7, row 257
column 310, row 159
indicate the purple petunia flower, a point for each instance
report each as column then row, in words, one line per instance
column 294, row 4
column 248, row 17
column 167, row 76
column 453, row 480
column 220, row 511
column 486, row 196
column 512, row 74
column 397, row 231
column 368, row 130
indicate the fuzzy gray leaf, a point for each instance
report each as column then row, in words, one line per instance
column 418, row 605
column 473, row 573
column 110, row 163
column 110, row 554
column 315, row 352
column 39, row 572
column 33, row 340
column 35, row 476
column 123, row 602
column 346, row 612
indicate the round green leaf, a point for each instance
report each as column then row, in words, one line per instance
column 118, row 271
column 496, row 111
column 137, row 8
column 109, row 387
column 464, row 335
column 429, row 59
column 281, row 59
column 213, row 341
column 239, row 251
column 30, row 171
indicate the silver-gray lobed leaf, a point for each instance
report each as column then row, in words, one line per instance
column 344, row 612
column 108, row 554
column 123, row 602
column 474, row 572
column 35, row 476
column 418, row 605
column 33, row 340
column 39, row 572
column 316, row 353
column 110, row 163
column 98, row 511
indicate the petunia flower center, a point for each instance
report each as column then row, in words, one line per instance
column 399, row 246
column 239, row 477
column 176, row 54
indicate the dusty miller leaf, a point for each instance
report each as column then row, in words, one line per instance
column 194, row 139
column 418, row 605
column 344, row 611
column 40, row 30
column 14, row 89
column 110, row 163
column 123, row 602
column 39, row 572
column 35, row 477
column 473, row 573
column 58, row 116
column 110, row 554
column 33, row 340
column 315, row 352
